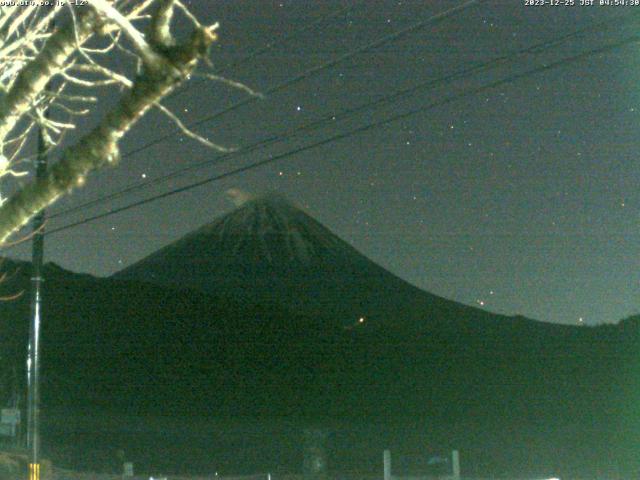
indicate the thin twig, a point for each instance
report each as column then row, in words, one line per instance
column 189, row 133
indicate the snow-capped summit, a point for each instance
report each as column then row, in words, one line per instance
column 263, row 232
column 268, row 250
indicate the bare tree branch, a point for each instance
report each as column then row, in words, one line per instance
column 145, row 51
column 165, row 66
column 189, row 133
column 231, row 83
column 33, row 78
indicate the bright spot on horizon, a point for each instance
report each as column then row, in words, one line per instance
column 361, row 320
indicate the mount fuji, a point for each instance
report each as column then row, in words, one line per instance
column 269, row 251
column 265, row 314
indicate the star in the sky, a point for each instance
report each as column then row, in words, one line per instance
column 506, row 154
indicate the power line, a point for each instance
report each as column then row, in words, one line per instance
column 307, row 73
column 361, row 129
column 331, row 118
column 271, row 45
column 243, row 60
column 288, row 37
column 382, row 40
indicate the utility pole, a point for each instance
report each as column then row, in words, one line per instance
column 33, row 354
column 386, row 458
column 33, row 360
column 455, row 462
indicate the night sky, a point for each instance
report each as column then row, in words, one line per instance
column 520, row 199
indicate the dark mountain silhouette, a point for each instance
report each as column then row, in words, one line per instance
column 253, row 320
column 269, row 251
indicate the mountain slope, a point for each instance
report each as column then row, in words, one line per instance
column 269, row 251
column 530, row 392
column 256, row 317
